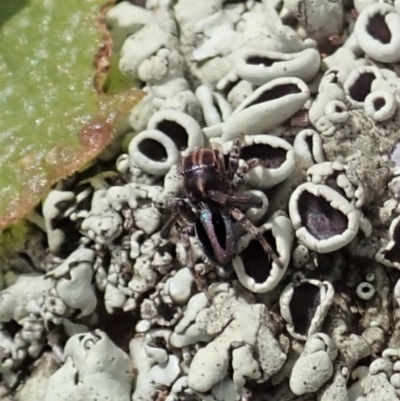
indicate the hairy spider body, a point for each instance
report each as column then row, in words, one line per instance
column 211, row 201
column 203, row 170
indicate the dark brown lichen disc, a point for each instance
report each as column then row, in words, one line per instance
column 379, row 103
column 304, row 303
column 257, row 264
column 319, row 217
column 176, row 132
column 256, row 60
column 361, row 88
column 275, row 93
column 271, row 156
column 378, row 28
column 166, row 311
column 153, row 149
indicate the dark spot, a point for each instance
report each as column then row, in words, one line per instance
column 11, row 327
column 271, row 156
column 365, row 289
column 153, row 149
column 378, row 28
column 394, row 254
column 319, row 217
column 76, row 378
column 119, row 326
column 176, row 132
column 257, row 263
column 331, row 182
column 159, row 342
column 338, row 109
column 310, row 144
column 166, row 311
column 304, row 303
column 379, row 103
column 71, row 234
column 291, row 21
column 226, row 162
column 229, row 87
column 335, row 79
column 255, row 60
column 217, row 105
column 362, row 86
column 275, row 93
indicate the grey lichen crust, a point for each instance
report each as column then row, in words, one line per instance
column 311, row 90
column 211, row 363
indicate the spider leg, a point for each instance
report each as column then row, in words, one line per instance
column 185, row 238
column 180, row 209
column 200, row 281
column 165, row 232
column 234, row 156
column 252, row 229
column 244, row 200
column 218, row 197
column 245, row 168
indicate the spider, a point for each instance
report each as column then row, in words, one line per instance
column 211, row 202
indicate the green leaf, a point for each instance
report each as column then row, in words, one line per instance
column 52, row 120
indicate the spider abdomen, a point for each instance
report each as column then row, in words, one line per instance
column 214, row 230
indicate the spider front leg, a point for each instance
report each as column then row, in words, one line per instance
column 185, row 238
column 234, row 156
column 245, row 201
column 245, row 168
column 180, row 210
column 200, row 281
column 252, row 229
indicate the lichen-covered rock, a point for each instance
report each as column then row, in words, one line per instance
column 301, row 99
column 36, row 385
column 15, row 298
column 73, row 281
column 315, row 365
column 320, row 20
column 94, row 369
column 227, row 318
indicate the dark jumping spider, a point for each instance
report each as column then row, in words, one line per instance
column 211, row 199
